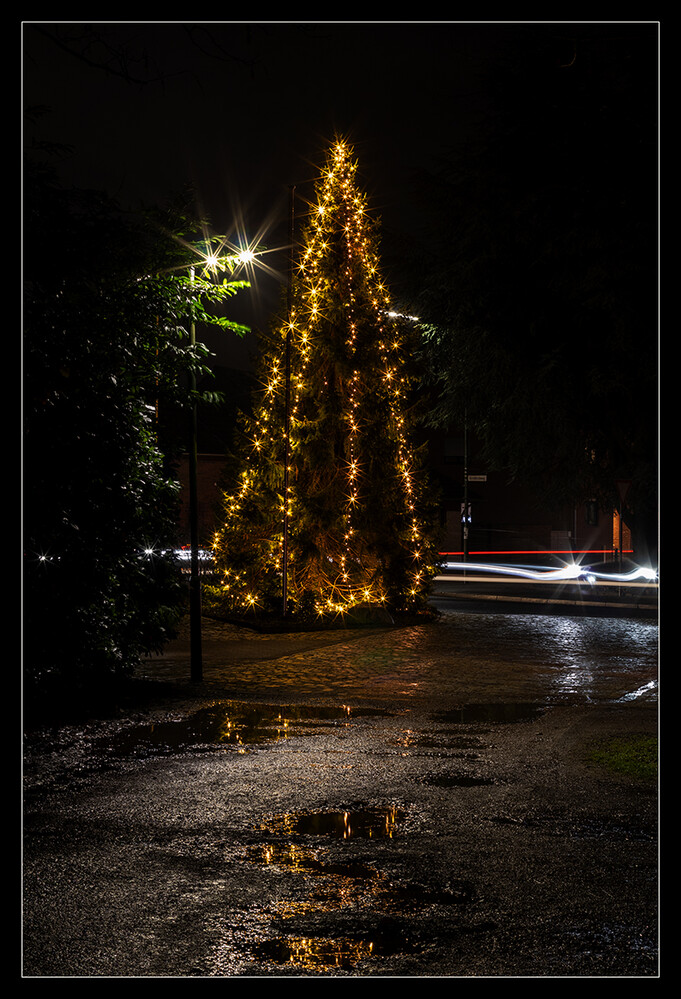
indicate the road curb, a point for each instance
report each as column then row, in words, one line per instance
column 508, row 598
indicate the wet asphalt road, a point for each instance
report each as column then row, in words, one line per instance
column 410, row 803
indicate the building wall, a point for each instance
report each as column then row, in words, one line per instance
column 507, row 522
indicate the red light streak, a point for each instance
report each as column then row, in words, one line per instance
column 546, row 551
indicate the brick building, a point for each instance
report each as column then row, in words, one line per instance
column 209, row 470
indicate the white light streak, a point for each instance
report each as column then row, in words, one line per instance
column 577, row 573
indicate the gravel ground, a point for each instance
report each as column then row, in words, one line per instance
column 267, row 828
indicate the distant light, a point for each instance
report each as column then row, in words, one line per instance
column 403, row 315
column 183, row 554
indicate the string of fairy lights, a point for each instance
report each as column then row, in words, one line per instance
column 348, row 574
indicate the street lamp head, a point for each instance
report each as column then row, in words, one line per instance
column 216, row 261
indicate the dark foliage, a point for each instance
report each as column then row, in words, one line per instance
column 540, row 291
column 105, row 344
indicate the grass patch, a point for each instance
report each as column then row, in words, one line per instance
column 631, row 756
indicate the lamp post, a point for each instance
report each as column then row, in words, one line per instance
column 194, row 581
column 213, row 263
column 287, row 427
column 465, row 489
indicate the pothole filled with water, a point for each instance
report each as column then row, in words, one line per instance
column 297, row 858
column 371, row 823
column 324, row 953
column 442, row 741
column 230, row 723
column 335, row 885
column 498, row 714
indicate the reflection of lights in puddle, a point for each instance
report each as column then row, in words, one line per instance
column 335, row 885
column 316, row 952
column 441, row 740
column 230, row 723
column 409, row 738
column 331, row 885
column 298, row 858
column 371, row 823
column 648, row 688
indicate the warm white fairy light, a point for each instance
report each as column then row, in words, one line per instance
column 338, row 585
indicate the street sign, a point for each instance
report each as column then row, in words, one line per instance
column 477, row 478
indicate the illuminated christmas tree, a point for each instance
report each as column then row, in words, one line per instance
column 347, row 524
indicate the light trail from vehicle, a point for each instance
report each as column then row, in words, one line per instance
column 568, row 573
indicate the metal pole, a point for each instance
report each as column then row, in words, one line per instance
column 465, row 488
column 194, row 581
column 287, row 429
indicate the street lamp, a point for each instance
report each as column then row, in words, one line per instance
column 196, row 653
column 287, row 417
column 214, row 264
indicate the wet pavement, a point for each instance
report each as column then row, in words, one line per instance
column 413, row 802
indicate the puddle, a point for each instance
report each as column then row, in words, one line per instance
column 491, row 713
column 647, row 689
column 230, row 723
column 318, row 953
column 297, row 858
column 331, row 886
column 455, row 745
column 372, row 823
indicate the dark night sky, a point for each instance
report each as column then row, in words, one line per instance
column 243, row 110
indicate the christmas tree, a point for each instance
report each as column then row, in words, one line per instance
column 329, row 504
